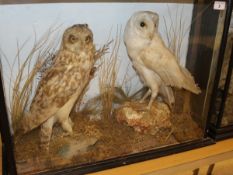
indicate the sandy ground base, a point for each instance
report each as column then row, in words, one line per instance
column 98, row 140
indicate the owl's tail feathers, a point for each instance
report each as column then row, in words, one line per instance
column 168, row 95
column 26, row 124
column 189, row 83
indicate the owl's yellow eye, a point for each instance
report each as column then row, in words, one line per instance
column 72, row 39
column 88, row 39
column 142, row 24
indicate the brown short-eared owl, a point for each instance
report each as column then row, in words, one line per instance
column 62, row 84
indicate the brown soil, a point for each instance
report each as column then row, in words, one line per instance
column 113, row 140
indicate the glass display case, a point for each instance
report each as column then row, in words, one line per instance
column 221, row 126
column 91, row 85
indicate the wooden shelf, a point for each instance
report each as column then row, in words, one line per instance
column 176, row 163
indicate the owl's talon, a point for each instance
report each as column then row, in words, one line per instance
column 141, row 101
column 71, row 123
column 145, row 96
column 67, row 126
column 66, row 134
column 148, row 108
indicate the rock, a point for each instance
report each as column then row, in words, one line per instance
column 76, row 147
column 135, row 115
column 94, row 117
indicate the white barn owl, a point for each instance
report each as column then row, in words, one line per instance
column 61, row 84
column 156, row 65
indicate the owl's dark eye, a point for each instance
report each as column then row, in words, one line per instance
column 142, row 24
column 72, row 39
column 88, row 39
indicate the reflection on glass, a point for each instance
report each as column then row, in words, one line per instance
column 228, row 111
column 75, row 90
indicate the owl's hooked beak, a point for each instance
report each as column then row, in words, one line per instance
column 151, row 36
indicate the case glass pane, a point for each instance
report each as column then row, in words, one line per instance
column 228, row 111
column 86, row 82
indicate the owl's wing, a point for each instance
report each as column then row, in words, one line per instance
column 56, row 87
column 167, row 93
column 164, row 63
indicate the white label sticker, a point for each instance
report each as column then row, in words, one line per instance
column 219, row 5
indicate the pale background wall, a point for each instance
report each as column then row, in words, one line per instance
column 20, row 22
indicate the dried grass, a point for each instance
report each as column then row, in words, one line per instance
column 112, row 92
column 107, row 78
column 176, row 32
column 22, row 81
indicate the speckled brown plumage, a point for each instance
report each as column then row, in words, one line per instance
column 62, row 84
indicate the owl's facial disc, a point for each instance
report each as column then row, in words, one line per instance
column 77, row 38
column 146, row 23
column 88, row 39
column 73, row 39
column 146, row 28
